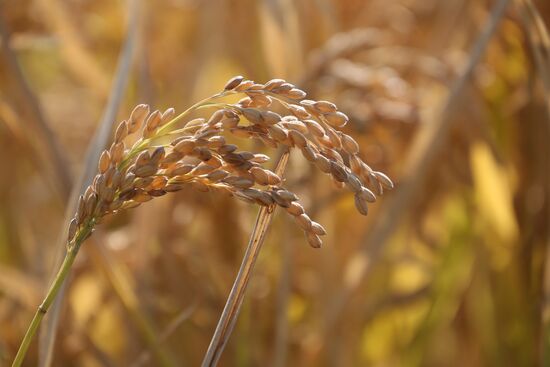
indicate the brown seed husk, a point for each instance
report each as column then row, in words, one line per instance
column 167, row 116
column 314, row 240
column 367, row 195
column 278, row 133
column 384, row 180
column 104, row 162
column 338, row 172
column 245, row 84
column 152, row 123
column 142, row 197
column 182, row 169
column 270, row 118
column 127, row 194
column 117, row 152
column 299, row 111
column 217, row 175
column 361, row 205
column 172, row 157
column 283, row 88
column 260, row 158
column 202, row 169
column 253, row 115
column 216, row 117
column 137, row 117
column 272, row 178
column 143, row 159
column 295, row 209
column 158, row 182
column 157, row 155
column 323, row 163
column 295, row 93
column 260, row 175
column 121, row 132
column 233, row 82
column 227, row 148
column 297, row 138
column 287, row 195
column 173, row 187
column 145, row 171
column 336, row 119
column 303, row 221
column 349, row 144
column 73, row 226
column 325, row 106
column 318, row 229
column 185, row 146
column 354, row 183
column 314, row 128
column 280, row 200
column 309, row 153
column 142, row 182
column 274, row 83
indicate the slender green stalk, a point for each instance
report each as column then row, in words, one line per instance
column 64, row 270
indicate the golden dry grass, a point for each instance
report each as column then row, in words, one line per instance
column 447, row 97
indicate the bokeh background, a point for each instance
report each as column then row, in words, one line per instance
column 452, row 268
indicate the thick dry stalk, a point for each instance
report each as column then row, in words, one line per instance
column 234, row 301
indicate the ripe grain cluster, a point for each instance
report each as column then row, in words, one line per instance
column 167, row 158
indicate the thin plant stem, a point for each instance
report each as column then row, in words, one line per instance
column 48, row 332
column 56, row 285
column 234, row 302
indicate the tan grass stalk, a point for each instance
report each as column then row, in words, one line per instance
column 235, row 300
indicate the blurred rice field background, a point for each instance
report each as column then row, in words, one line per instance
column 450, row 98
